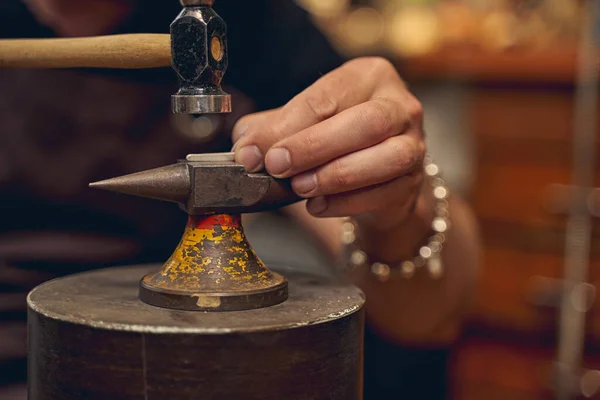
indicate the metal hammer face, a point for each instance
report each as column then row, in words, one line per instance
column 199, row 56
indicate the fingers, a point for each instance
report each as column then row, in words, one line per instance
column 353, row 83
column 357, row 128
column 373, row 200
column 257, row 119
column 394, row 157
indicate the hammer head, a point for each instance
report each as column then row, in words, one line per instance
column 199, row 56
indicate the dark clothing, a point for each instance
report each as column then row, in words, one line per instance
column 64, row 128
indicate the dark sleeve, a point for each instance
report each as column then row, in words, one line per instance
column 17, row 22
column 394, row 372
column 275, row 50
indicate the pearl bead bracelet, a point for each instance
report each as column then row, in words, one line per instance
column 429, row 254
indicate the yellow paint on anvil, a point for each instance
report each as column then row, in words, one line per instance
column 241, row 262
column 187, row 259
column 230, row 263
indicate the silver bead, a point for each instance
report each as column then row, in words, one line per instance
column 436, row 182
column 381, row 271
column 431, row 169
column 348, row 227
column 440, row 192
column 439, row 225
column 358, row 258
column 419, row 261
column 439, row 237
column 425, row 252
column 348, row 237
column 407, row 269
column 435, row 247
column 441, row 211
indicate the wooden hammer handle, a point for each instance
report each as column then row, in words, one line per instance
column 115, row 51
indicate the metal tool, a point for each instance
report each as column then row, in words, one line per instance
column 213, row 268
column 206, row 187
column 199, row 52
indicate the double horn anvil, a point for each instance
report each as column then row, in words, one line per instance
column 213, row 268
column 206, row 187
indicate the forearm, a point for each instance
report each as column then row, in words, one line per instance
column 420, row 310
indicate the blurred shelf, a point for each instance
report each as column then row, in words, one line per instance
column 556, row 65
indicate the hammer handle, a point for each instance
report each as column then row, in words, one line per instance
column 115, row 51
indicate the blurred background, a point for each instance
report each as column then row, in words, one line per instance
column 498, row 80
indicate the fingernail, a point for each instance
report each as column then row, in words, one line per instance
column 278, row 161
column 250, row 157
column 305, row 183
column 316, row 205
column 234, row 146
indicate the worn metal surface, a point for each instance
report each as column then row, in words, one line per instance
column 200, row 57
column 90, row 337
column 213, row 269
column 206, row 187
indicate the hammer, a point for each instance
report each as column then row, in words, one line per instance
column 196, row 49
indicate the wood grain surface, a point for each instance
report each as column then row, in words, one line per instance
column 129, row 51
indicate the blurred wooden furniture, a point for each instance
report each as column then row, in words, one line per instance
column 520, row 108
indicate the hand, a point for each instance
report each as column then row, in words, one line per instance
column 352, row 144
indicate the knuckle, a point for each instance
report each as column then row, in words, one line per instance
column 378, row 119
column 414, row 109
column 321, row 104
column 374, row 64
column 311, row 141
column 341, row 176
column 382, row 65
column 241, row 126
column 241, row 122
column 401, row 160
column 407, row 156
column 252, row 136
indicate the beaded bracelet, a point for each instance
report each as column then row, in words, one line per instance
column 429, row 254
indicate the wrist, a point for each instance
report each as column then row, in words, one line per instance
column 402, row 240
column 414, row 243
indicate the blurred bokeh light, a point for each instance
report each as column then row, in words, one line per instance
column 417, row 27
